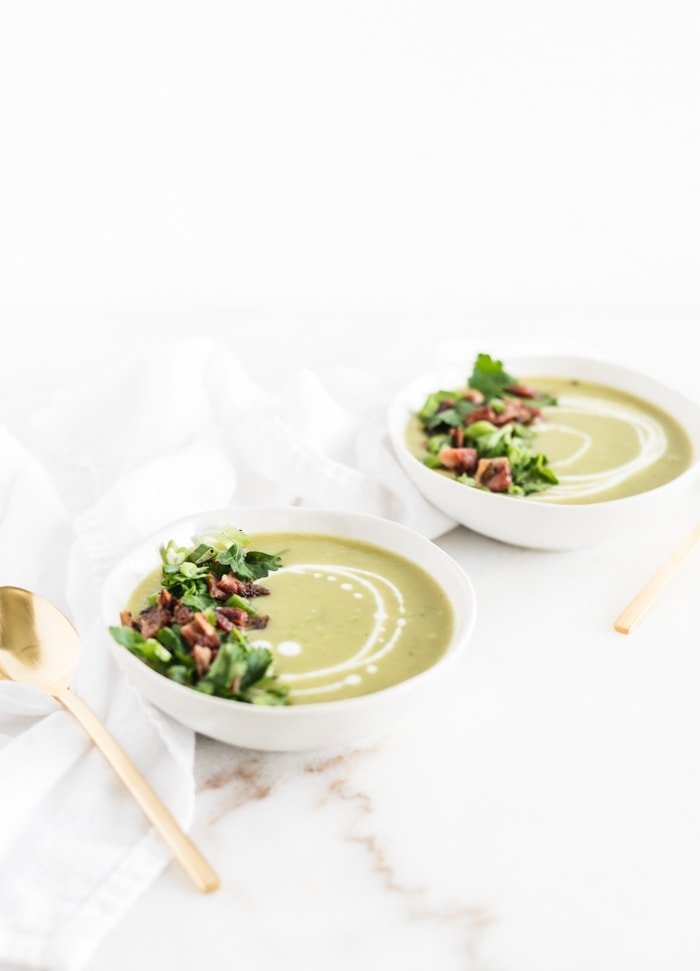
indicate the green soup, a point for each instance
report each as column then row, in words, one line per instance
column 606, row 444
column 346, row 618
column 601, row 443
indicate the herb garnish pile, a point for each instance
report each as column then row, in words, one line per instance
column 482, row 432
column 193, row 630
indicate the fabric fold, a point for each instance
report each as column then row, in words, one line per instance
column 83, row 478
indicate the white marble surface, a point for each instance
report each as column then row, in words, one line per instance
column 490, row 172
column 542, row 815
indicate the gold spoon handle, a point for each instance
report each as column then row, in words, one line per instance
column 184, row 850
column 636, row 608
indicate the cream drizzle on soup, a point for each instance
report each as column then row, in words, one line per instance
column 603, row 443
column 348, row 618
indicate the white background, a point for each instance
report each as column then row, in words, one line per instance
column 350, row 154
column 351, row 182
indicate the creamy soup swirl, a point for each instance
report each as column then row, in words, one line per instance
column 606, row 444
column 348, row 618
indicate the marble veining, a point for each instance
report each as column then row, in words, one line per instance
column 468, row 922
column 539, row 815
column 241, row 782
column 239, row 778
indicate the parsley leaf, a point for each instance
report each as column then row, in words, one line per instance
column 229, row 664
column 259, row 564
column 252, row 565
column 267, row 692
column 197, row 599
column 238, row 670
column 258, row 661
column 489, row 376
column 454, row 416
column 444, row 411
column 179, row 673
column 234, row 557
column 433, row 402
column 532, row 473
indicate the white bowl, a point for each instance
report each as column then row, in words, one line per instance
column 541, row 525
column 297, row 727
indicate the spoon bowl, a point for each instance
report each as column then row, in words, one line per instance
column 27, row 624
column 39, row 646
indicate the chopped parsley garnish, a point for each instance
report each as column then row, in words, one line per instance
column 482, row 433
column 489, row 376
column 194, row 629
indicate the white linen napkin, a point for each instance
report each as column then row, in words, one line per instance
column 85, row 476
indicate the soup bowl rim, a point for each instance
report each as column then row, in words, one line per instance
column 399, row 414
column 464, row 613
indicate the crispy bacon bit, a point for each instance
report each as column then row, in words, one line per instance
column 458, row 459
column 258, row 621
column 182, row 614
column 470, row 394
column 233, row 616
column 254, row 590
column 223, row 622
column 516, row 411
column 221, row 588
column 486, row 413
column 522, row 391
column 200, row 631
column 125, row 618
column 230, row 585
column 445, row 405
column 202, row 658
column 165, row 599
column 512, row 411
column 152, row 619
column 214, row 589
column 457, row 436
column 158, row 615
column 494, row 474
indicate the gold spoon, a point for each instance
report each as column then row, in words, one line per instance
column 39, row 646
